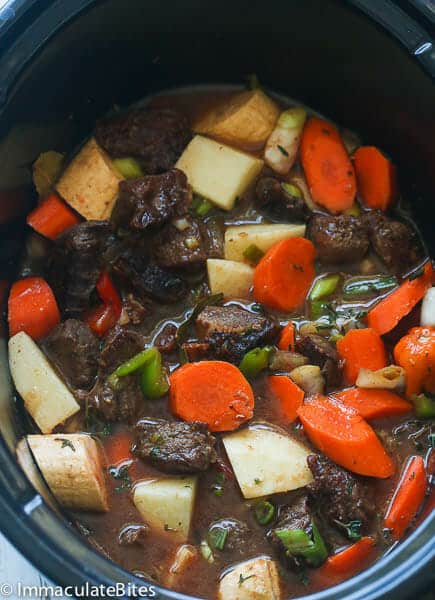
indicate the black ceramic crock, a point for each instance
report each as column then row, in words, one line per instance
column 365, row 63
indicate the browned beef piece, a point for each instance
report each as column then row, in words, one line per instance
column 322, row 353
column 133, row 533
column 238, row 534
column 120, row 404
column 166, row 340
column 120, row 345
column 396, row 243
column 148, row 280
column 196, row 350
column 135, row 312
column 231, row 331
column 74, row 350
column 338, row 239
column 279, row 204
column 292, row 516
column 155, row 137
column 149, row 202
column 78, row 259
column 174, row 248
column 340, row 495
column 175, row 446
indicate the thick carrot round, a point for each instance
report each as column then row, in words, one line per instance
column 287, row 338
column 289, row 395
column 361, row 349
column 408, row 497
column 391, row 309
column 32, row 308
column 284, row 275
column 327, row 166
column 349, row 561
column 415, row 352
column 52, row 217
column 375, row 176
column 344, row 436
column 374, row 404
column 213, row 392
column 117, row 449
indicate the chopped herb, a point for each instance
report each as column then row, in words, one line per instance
column 217, row 536
column 242, row 579
column 200, row 206
column 282, row 150
column 264, row 512
column 121, row 473
column 257, row 481
column 218, row 487
column 66, row 443
column 253, row 254
column 352, row 529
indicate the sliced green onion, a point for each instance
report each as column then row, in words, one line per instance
column 352, row 529
column 200, row 206
column 324, row 287
column 424, row 406
column 128, row 167
column 360, row 286
column 353, row 211
column 292, row 190
column 206, row 552
column 132, row 364
column 264, row 512
column 154, row 379
column 253, row 254
column 217, row 536
column 255, row 361
column 292, row 118
column 298, row 542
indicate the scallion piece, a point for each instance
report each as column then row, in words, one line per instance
column 358, row 286
column 253, row 254
column 200, row 206
column 353, row 211
column 128, row 167
column 298, row 542
column 206, row 552
column 324, row 287
column 292, row 190
column 264, row 512
column 424, row 406
column 255, row 361
column 217, row 537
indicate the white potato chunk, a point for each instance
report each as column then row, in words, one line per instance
column 185, row 555
column 247, row 119
column 218, row 172
column 387, row 378
column 72, row 466
column 427, row 318
column 232, row 279
column 240, row 237
column 45, row 396
column 267, row 461
column 167, row 504
column 90, row 182
column 255, row 579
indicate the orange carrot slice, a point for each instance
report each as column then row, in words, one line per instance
column 374, row 404
column 361, row 349
column 32, row 308
column 52, row 217
column 375, row 176
column 287, row 337
column 289, row 395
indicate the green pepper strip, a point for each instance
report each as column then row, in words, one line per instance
column 324, row 287
column 297, row 542
column 154, row 379
column 253, row 254
column 264, row 512
column 132, row 364
column 424, row 406
column 255, row 361
column 359, row 287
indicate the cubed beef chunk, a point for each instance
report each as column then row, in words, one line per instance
column 339, row 239
column 278, row 203
column 341, row 496
column 231, row 331
column 120, row 404
column 148, row 280
column 74, row 350
column 155, row 137
column 149, row 202
column 175, row 447
column 78, row 259
column 166, row 340
column 322, row 353
column 293, row 516
column 238, row 534
column 120, row 345
column 396, row 243
column 133, row 310
column 133, row 533
column 196, row 350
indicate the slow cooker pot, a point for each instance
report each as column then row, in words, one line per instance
column 64, row 63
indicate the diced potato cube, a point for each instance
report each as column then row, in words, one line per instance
column 217, row 172
column 238, row 238
column 45, row 396
column 232, row 279
column 167, row 504
column 71, row 464
column 255, row 579
column 267, row 461
column 90, row 182
column 246, row 120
